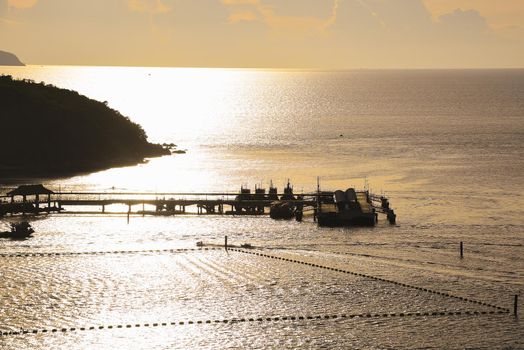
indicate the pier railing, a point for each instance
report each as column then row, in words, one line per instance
column 158, row 203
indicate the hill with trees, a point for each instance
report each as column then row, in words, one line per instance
column 48, row 131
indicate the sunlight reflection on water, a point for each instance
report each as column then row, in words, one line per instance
column 450, row 161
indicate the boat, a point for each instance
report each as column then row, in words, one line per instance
column 245, row 195
column 288, row 193
column 260, row 194
column 282, row 210
column 21, row 230
column 346, row 208
column 287, row 207
column 272, row 195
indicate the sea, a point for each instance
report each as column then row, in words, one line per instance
column 445, row 146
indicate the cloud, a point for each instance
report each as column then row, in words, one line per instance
column 148, row 6
column 3, row 8
column 239, row 16
column 372, row 33
column 22, row 4
column 5, row 5
column 260, row 33
column 299, row 17
column 464, row 22
column 240, row 2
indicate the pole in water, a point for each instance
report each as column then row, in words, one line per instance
column 461, row 250
column 515, row 305
column 225, row 242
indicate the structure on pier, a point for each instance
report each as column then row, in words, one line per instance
column 30, row 202
column 30, row 190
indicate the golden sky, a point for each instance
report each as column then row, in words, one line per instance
column 327, row 34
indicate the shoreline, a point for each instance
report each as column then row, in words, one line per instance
column 19, row 174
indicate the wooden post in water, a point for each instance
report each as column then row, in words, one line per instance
column 461, row 250
column 225, row 242
column 515, row 305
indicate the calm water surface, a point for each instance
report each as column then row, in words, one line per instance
column 445, row 146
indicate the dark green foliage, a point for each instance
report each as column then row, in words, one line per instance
column 50, row 131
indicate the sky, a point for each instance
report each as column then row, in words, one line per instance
column 324, row 34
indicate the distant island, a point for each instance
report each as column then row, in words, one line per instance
column 9, row 59
column 52, row 132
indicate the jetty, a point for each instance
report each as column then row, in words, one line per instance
column 37, row 199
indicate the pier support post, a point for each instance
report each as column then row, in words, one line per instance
column 103, row 208
column 461, row 250
column 225, row 242
column 24, row 200
column 516, row 305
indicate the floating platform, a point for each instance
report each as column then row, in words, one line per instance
column 351, row 208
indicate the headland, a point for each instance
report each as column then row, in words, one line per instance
column 54, row 132
column 9, row 59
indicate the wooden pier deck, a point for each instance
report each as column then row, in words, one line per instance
column 145, row 203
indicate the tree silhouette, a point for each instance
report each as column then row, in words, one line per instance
column 51, row 131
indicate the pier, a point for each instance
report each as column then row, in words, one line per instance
column 36, row 199
column 145, row 203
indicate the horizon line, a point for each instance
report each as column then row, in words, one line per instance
column 273, row 68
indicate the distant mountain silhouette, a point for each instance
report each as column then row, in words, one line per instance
column 49, row 132
column 9, row 59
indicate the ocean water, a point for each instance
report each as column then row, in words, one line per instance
column 446, row 147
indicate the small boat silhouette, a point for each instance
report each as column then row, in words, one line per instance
column 20, row 230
